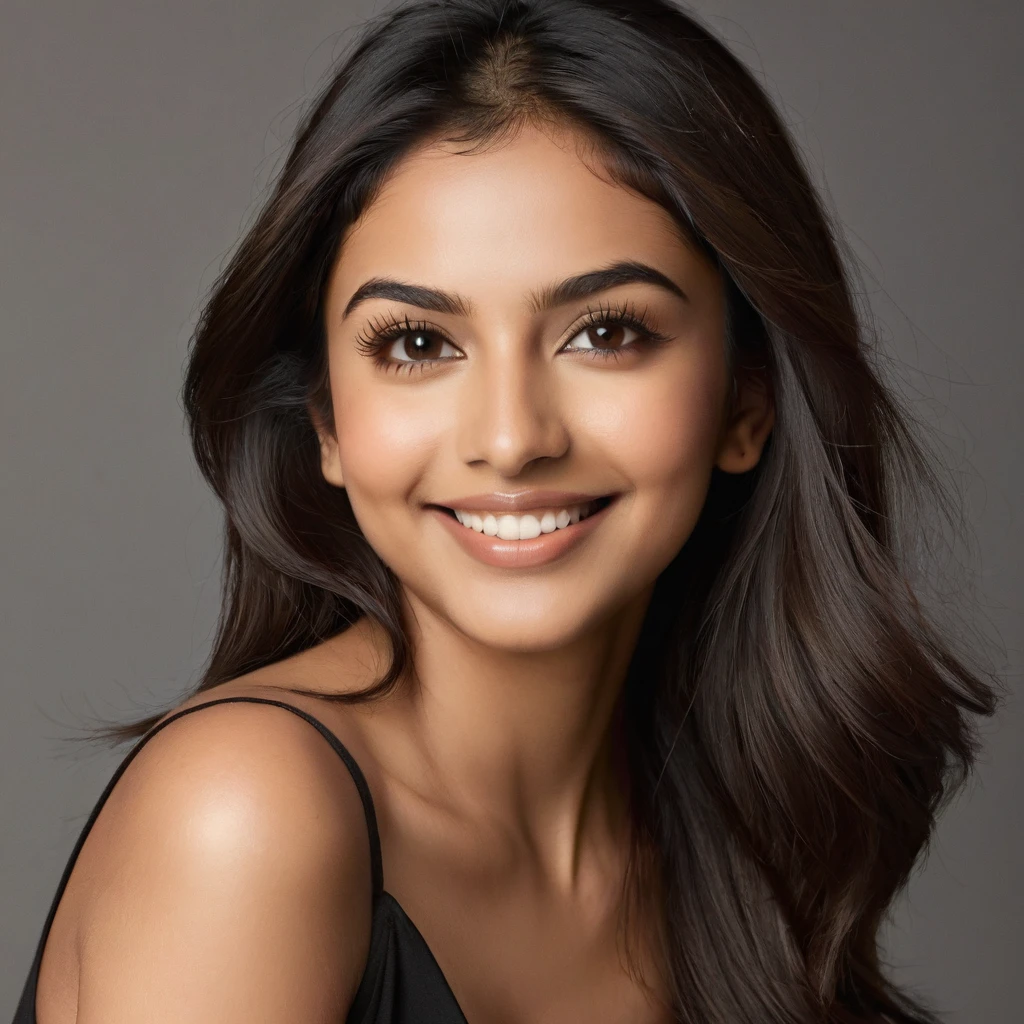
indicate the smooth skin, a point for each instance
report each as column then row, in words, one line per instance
column 227, row 878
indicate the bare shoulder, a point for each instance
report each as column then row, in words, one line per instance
column 227, row 876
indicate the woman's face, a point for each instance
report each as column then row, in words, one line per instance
column 503, row 384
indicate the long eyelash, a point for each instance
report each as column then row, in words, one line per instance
column 381, row 334
column 628, row 316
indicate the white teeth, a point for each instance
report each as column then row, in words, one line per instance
column 529, row 527
column 524, row 527
column 508, row 528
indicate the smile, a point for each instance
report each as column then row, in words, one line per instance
column 529, row 525
column 522, row 541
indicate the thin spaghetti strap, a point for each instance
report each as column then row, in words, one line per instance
column 376, row 865
column 26, row 1007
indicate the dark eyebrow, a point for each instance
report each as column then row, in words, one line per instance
column 570, row 290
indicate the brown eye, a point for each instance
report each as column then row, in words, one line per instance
column 418, row 346
column 608, row 334
column 605, row 335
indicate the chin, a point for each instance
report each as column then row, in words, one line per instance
column 530, row 632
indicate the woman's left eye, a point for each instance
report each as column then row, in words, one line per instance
column 605, row 336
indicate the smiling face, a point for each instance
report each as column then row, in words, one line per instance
column 488, row 378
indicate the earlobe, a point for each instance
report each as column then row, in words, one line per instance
column 330, row 458
column 746, row 431
column 330, row 464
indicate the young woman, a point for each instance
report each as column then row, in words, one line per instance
column 570, row 666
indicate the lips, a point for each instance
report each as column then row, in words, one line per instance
column 519, row 502
column 522, row 554
column 527, row 526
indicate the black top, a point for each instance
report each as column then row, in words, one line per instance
column 402, row 982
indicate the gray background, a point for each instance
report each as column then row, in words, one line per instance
column 138, row 140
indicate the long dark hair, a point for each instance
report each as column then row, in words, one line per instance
column 794, row 719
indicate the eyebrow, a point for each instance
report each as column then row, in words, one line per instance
column 570, row 290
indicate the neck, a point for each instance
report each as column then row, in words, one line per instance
column 527, row 742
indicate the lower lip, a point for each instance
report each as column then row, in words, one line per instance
column 521, row 554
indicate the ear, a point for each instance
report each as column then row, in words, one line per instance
column 330, row 457
column 748, row 423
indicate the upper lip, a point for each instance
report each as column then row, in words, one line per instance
column 519, row 501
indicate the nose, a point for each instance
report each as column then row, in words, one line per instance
column 509, row 413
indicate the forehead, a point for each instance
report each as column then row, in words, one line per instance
column 511, row 217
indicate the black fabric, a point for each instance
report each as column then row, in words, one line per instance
column 402, row 982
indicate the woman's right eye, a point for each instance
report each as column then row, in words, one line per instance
column 418, row 346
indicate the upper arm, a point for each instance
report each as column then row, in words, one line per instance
column 228, row 878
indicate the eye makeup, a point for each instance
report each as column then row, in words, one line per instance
column 381, row 335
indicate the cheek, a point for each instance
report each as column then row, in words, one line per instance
column 662, row 432
column 384, row 441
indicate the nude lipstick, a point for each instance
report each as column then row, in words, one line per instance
column 528, row 553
